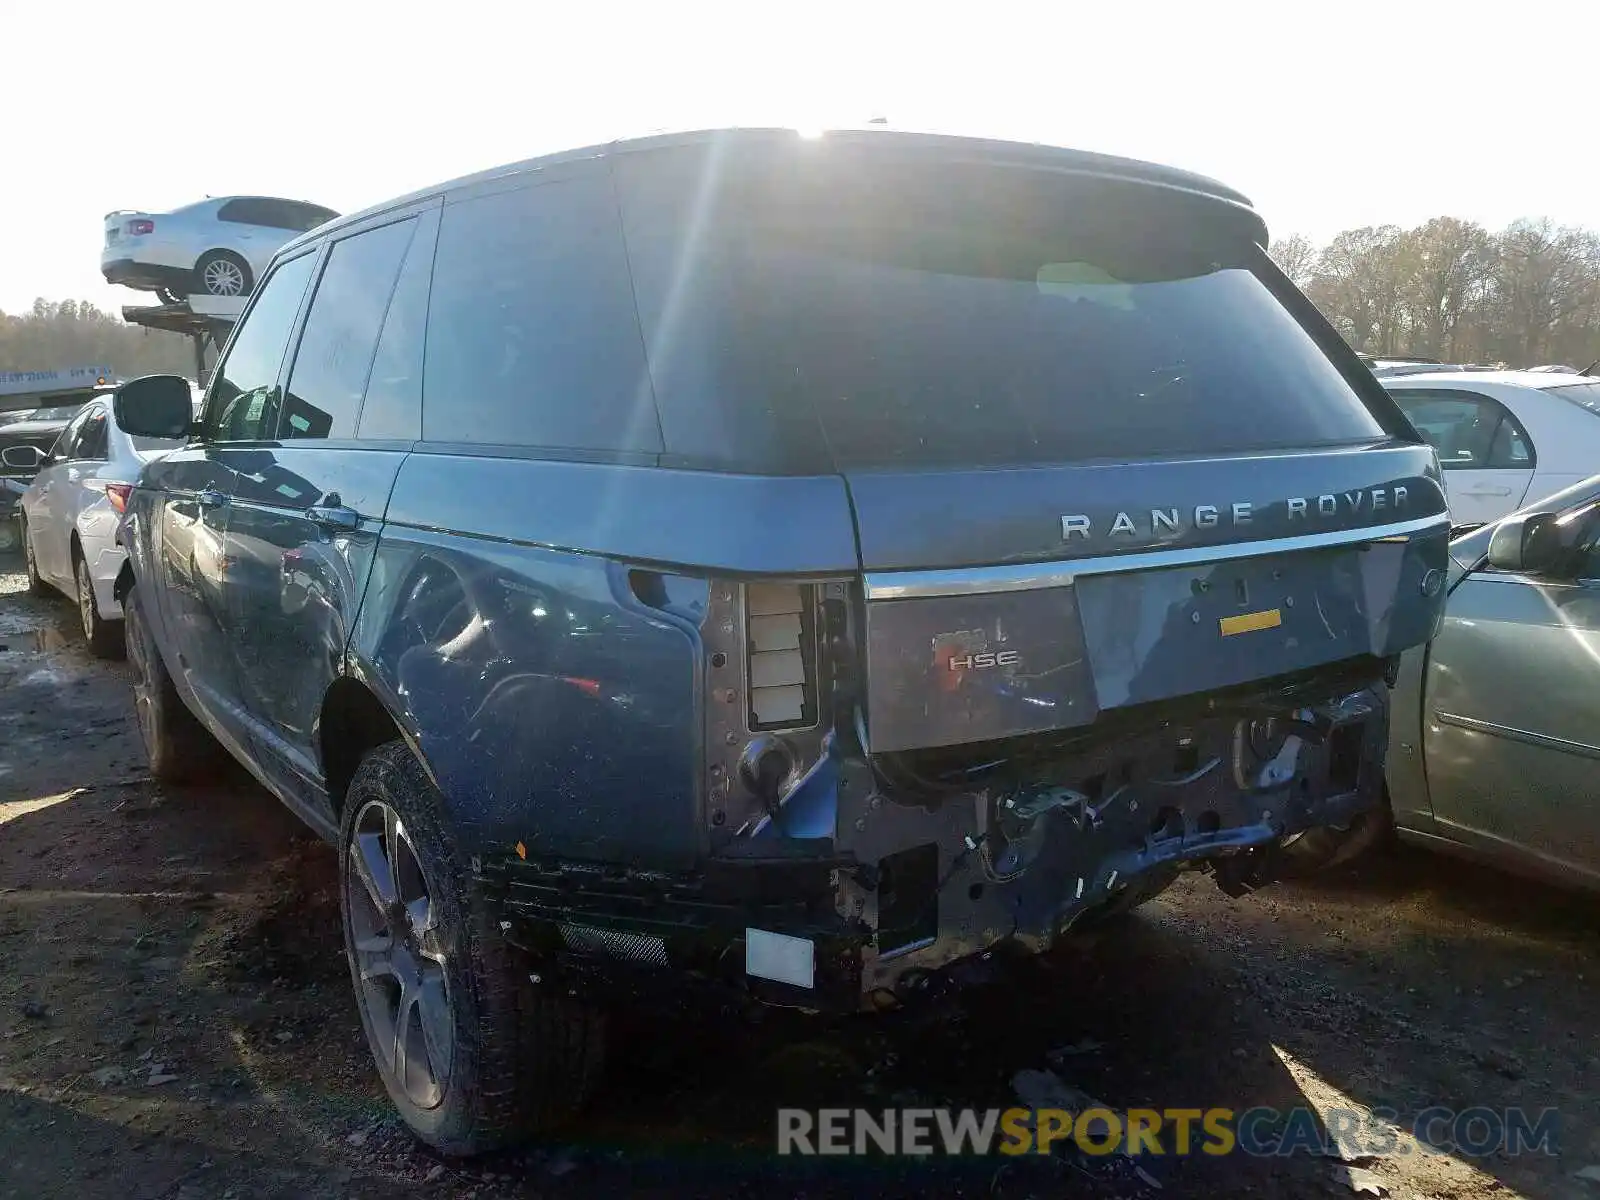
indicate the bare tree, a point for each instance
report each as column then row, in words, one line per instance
column 1296, row 257
column 1451, row 289
column 1357, row 284
column 1545, row 279
column 1444, row 265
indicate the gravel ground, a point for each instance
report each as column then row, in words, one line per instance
column 176, row 1019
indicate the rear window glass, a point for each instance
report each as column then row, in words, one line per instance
column 804, row 316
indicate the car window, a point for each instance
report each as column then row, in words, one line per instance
column 66, row 444
column 803, row 316
column 245, row 211
column 242, row 405
column 1470, row 431
column 341, row 333
column 92, row 439
column 393, row 405
column 306, row 216
column 1511, row 447
column 532, row 337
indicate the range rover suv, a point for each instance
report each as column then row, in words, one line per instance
column 801, row 565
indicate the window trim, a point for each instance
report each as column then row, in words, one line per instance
column 429, row 216
column 293, row 340
column 67, row 440
column 91, row 411
column 1479, row 398
column 292, row 353
column 577, row 172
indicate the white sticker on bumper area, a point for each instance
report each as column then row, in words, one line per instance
column 780, row 958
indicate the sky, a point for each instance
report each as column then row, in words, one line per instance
column 1326, row 116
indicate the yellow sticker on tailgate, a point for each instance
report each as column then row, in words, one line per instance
column 1267, row 618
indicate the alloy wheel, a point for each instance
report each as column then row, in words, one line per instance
column 86, row 609
column 223, row 277
column 144, row 683
column 400, row 956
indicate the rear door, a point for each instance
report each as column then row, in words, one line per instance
column 195, row 486
column 308, row 504
column 1488, row 457
column 81, row 503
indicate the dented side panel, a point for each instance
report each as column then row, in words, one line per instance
column 552, row 706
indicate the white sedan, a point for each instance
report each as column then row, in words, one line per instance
column 70, row 514
column 218, row 247
column 1505, row 438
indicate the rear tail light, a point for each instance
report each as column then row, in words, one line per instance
column 141, row 226
column 118, row 494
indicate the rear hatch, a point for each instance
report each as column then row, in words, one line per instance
column 1094, row 459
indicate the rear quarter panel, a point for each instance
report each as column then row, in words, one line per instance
column 550, row 710
column 552, row 706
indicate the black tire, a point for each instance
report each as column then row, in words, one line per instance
column 104, row 637
column 520, row 1059
column 36, row 586
column 180, row 749
column 169, row 296
column 218, row 271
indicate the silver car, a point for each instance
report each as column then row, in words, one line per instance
column 218, row 247
column 1494, row 749
column 71, row 510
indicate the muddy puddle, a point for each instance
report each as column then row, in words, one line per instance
column 33, row 641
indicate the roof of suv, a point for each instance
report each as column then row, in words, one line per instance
column 990, row 150
column 1544, row 381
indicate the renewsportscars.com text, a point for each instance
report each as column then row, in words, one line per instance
column 1261, row 1132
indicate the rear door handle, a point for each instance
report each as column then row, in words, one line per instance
column 334, row 517
column 1487, row 491
column 211, row 499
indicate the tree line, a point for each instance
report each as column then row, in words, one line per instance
column 1453, row 290
column 67, row 333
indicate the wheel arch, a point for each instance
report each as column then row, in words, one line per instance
column 124, row 582
column 225, row 251
column 352, row 723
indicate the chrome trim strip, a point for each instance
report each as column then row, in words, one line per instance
column 1511, row 733
column 1022, row 577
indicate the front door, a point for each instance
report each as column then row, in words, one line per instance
column 193, row 514
column 308, row 505
column 197, row 485
column 1512, row 719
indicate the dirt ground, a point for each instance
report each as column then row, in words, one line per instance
column 176, row 1017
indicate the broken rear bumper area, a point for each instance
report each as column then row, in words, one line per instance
column 924, row 875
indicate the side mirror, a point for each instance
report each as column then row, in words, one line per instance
column 1531, row 544
column 23, row 458
column 155, row 406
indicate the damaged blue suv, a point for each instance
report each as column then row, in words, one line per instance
column 796, row 564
